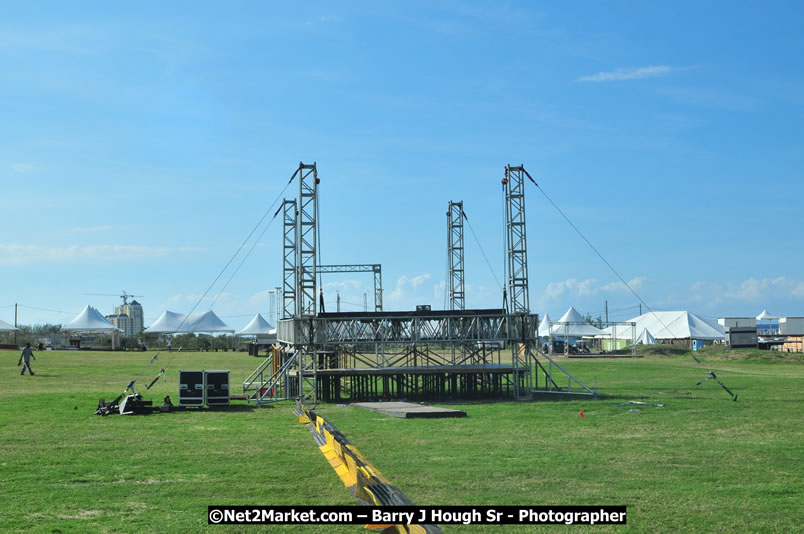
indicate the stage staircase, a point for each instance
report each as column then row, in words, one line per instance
column 270, row 382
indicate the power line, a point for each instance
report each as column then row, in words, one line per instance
column 46, row 309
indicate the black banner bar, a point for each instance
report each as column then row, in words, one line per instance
column 416, row 515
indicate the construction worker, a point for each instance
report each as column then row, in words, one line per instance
column 26, row 356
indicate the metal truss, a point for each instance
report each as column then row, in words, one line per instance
column 455, row 254
column 392, row 339
column 306, row 232
column 375, row 268
column 414, row 330
column 289, row 258
column 517, row 244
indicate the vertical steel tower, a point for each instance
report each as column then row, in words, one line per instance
column 377, row 288
column 517, row 244
column 306, row 232
column 455, row 253
column 289, row 254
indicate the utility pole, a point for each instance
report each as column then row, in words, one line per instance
column 607, row 311
column 640, row 309
column 338, row 302
column 278, row 293
column 16, row 332
column 365, row 302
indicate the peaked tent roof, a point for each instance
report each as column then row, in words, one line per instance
column 573, row 324
column 168, row 322
column 257, row 326
column 645, row 338
column 765, row 316
column 5, row 327
column 544, row 326
column 171, row 322
column 207, row 322
column 89, row 320
column 572, row 316
column 672, row 325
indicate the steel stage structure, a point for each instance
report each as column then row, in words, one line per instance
column 415, row 355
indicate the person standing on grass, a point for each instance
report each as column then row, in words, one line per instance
column 26, row 356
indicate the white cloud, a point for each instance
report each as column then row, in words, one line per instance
column 23, row 168
column 634, row 283
column 439, row 289
column 628, row 74
column 571, row 285
column 26, row 254
column 585, row 288
column 404, row 283
column 343, row 285
column 416, row 281
column 753, row 289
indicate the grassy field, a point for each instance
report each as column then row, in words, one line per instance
column 702, row 463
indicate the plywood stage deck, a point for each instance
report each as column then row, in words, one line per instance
column 408, row 410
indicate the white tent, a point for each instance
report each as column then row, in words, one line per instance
column 171, row 323
column 544, row 326
column 765, row 316
column 257, row 327
column 765, row 324
column 671, row 325
column 5, row 327
column 645, row 338
column 90, row 320
column 573, row 324
column 207, row 322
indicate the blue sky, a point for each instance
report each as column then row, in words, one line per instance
column 140, row 144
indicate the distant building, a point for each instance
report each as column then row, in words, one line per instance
column 128, row 318
column 121, row 321
column 784, row 333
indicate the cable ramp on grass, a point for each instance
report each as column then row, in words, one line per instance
column 365, row 481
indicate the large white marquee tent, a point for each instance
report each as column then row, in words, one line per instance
column 257, row 327
column 90, row 320
column 172, row 323
column 667, row 325
column 5, row 327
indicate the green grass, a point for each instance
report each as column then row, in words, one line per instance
column 702, row 463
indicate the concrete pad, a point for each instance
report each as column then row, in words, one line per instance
column 409, row 410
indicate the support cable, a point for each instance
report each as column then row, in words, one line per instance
column 466, row 218
column 627, row 285
column 505, row 248
column 225, row 267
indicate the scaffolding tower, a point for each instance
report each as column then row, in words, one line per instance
column 289, row 258
column 306, row 232
column 517, row 244
column 455, row 255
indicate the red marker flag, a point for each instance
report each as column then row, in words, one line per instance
column 581, row 414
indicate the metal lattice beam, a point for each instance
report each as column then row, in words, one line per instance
column 517, row 244
column 289, row 258
column 455, row 254
column 375, row 268
column 306, row 232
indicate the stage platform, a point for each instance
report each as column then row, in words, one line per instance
column 407, row 410
column 436, row 382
